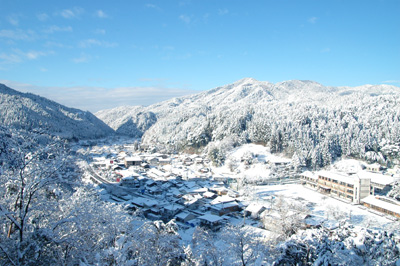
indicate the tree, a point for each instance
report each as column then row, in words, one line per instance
column 30, row 182
column 285, row 219
column 243, row 245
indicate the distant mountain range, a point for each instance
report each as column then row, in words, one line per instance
column 313, row 123
column 31, row 112
column 297, row 117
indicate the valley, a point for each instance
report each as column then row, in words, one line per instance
column 277, row 167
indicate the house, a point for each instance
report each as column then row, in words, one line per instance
column 170, row 210
column 382, row 204
column 185, row 217
column 220, row 191
column 373, row 167
column 278, row 161
column 198, row 160
column 187, row 161
column 211, row 221
column 224, row 208
column 132, row 161
column 162, row 161
column 193, row 204
column 209, row 195
column 198, row 190
column 129, row 181
column 222, row 199
column 152, row 160
column 254, row 210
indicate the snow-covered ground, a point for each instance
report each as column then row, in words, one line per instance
column 250, row 161
column 322, row 206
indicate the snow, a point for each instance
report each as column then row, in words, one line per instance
column 377, row 178
column 222, row 199
column 320, row 203
column 382, row 204
column 336, row 176
column 210, row 218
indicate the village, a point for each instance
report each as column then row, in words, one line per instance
column 186, row 188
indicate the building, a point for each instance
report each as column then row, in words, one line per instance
column 185, row 217
column 373, row 167
column 380, row 184
column 309, row 179
column 132, row 161
column 211, row 221
column 348, row 187
column 254, row 210
column 382, row 204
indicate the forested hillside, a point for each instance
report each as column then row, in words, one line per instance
column 31, row 112
column 314, row 123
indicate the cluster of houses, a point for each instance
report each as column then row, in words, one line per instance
column 366, row 187
column 164, row 187
column 148, row 183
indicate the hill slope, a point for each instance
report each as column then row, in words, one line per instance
column 31, row 112
column 303, row 118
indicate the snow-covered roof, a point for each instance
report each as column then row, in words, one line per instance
column 225, row 205
column 208, row 194
column 140, row 201
column 378, row 178
column 276, row 159
column 335, row 176
column 183, row 215
column 133, row 159
column 309, row 175
column 210, row 218
column 173, row 207
column 372, row 200
column 222, row 199
column 198, row 190
column 254, row 208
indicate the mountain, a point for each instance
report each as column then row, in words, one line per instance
column 305, row 119
column 31, row 112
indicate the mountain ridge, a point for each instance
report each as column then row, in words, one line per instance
column 29, row 111
column 316, row 123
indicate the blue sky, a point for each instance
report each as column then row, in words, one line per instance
column 101, row 54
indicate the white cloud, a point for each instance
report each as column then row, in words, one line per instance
column 222, row 12
column 94, row 42
column 100, row 31
column 10, row 58
column 13, row 20
column 98, row 98
column 326, row 50
column 42, row 16
column 17, row 56
column 32, row 55
column 101, row 14
column 54, row 28
column 57, row 45
column 18, row 34
column 84, row 58
column 153, row 6
column 185, row 18
column 312, row 20
column 72, row 13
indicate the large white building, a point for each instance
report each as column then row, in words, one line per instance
column 349, row 187
column 356, row 188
